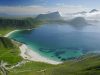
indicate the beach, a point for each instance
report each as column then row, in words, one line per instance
column 29, row 54
column 32, row 55
column 7, row 35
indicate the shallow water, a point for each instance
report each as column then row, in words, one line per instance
column 61, row 42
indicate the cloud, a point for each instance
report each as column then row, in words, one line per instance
column 40, row 9
column 94, row 16
column 70, row 9
column 23, row 9
column 89, row 16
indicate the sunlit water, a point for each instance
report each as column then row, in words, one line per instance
column 61, row 42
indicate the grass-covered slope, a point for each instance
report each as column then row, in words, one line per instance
column 31, row 68
column 4, row 31
column 9, row 52
column 19, row 23
column 87, row 65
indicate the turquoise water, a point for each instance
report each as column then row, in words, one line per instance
column 61, row 42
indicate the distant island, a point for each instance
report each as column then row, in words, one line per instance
column 78, row 22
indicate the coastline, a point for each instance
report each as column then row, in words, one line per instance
column 27, row 53
column 7, row 35
column 31, row 55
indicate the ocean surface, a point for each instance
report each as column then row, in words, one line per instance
column 61, row 42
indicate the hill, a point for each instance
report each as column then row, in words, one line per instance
column 18, row 23
column 78, row 21
column 9, row 51
column 86, row 65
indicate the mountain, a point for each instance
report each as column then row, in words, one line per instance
column 49, row 16
column 93, row 10
column 17, row 22
column 78, row 21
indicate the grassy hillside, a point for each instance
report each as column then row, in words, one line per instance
column 4, row 31
column 9, row 52
column 30, row 68
column 88, row 65
column 19, row 23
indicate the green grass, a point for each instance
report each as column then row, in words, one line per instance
column 4, row 31
column 85, row 66
column 8, row 51
column 88, row 65
column 30, row 68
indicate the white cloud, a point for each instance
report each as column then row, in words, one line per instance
column 93, row 16
column 90, row 16
column 40, row 9
column 60, row 4
column 23, row 10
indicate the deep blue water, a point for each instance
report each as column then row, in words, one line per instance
column 61, row 42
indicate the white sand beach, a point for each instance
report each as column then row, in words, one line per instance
column 10, row 33
column 29, row 54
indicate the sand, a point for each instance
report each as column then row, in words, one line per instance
column 32, row 55
column 7, row 35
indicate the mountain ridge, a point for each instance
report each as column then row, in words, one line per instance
column 49, row 16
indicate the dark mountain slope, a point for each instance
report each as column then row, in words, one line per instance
column 50, row 16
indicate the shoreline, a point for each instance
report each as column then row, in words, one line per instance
column 8, row 34
column 32, row 55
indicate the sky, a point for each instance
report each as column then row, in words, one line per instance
column 43, row 6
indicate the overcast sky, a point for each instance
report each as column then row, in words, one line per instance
column 43, row 6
